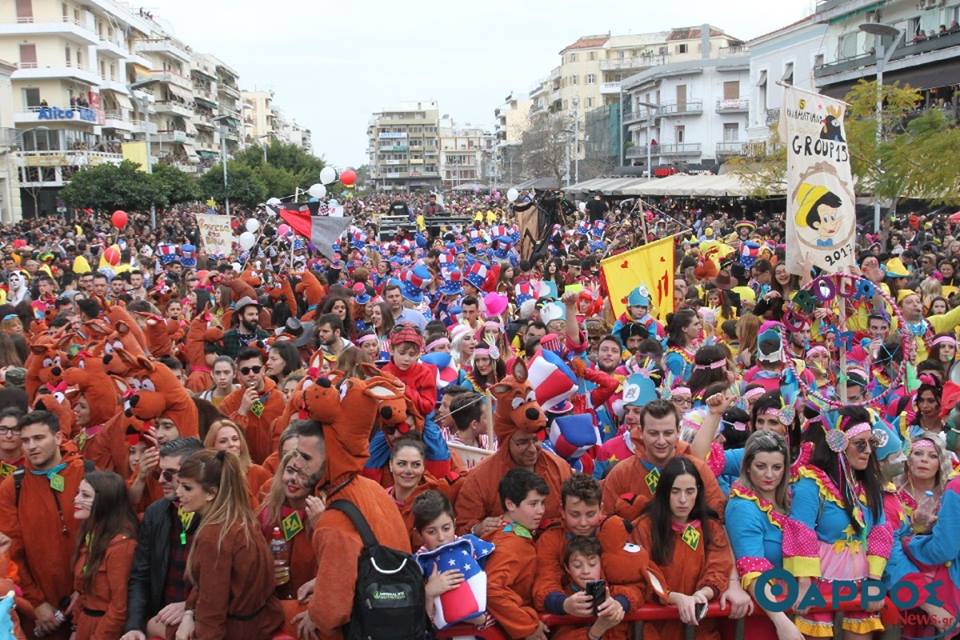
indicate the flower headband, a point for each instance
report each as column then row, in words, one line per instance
column 925, row 443
column 368, row 338
column 944, row 340
column 439, row 342
column 717, row 364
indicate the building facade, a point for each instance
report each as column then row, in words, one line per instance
column 404, row 146
column 512, row 119
column 687, row 115
column 466, row 154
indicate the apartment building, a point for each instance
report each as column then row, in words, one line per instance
column 690, row 115
column 466, row 154
column 10, row 210
column 926, row 53
column 512, row 119
column 404, row 146
column 206, row 110
column 229, row 97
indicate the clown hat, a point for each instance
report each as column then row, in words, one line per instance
column 360, row 295
column 894, row 268
column 477, row 274
column 639, row 297
column 571, row 436
column 412, row 283
column 553, row 311
column 639, row 389
column 552, row 380
column 167, row 253
column 453, row 285
column 745, row 223
column 189, row 259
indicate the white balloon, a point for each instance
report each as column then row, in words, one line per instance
column 253, row 225
column 274, row 202
column 512, row 194
column 317, row 190
column 582, row 206
column 236, row 266
column 328, row 175
column 247, row 240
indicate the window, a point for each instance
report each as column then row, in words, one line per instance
column 24, row 11
column 663, row 51
column 31, row 97
column 731, row 132
column 592, row 55
column 818, row 60
column 28, row 56
column 572, row 58
column 731, row 90
column 847, row 46
column 620, row 54
column 589, row 103
column 574, row 80
column 681, row 48
column 591, row 78
column 678, row 132
column 787, row 73
column 762, row 85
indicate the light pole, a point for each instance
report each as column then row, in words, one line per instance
column 222, row 121
column 883, row 53
column 264, row 146
column 651, row 118
column 143, row 103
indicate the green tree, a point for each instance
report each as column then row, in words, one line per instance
column 173, row 185
column 302, row 169
column 762, row 166
column 243, row 185
column 107, row 187
column 278, row 182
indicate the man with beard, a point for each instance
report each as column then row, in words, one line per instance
column 532, row 336
column 158, row 587
column 247, row 331
column 330, row 334
column 255, row 405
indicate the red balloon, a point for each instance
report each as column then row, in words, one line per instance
column 119, row 219
column 348, row 177
column 112, row 255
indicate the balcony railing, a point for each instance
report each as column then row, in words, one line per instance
column 735, row 50
column 729, row 148
column 681, row 109
column 640, row 151
column 736, row 105
column 684, row 149
column 638, row 62
column 904, row 50
column 609, row 87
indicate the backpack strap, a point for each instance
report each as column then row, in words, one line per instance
column 18, row 483
column 359, row 522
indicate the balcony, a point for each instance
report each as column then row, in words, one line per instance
column 176, row 108
column 684, row 149
column 639, row 62
column 54, row 168
column 118, row 120
column 166, row 46
column 639, row 151
column 392, row 135
column 205, row 98
column 633, row 117
column 171, row 136
column 735, row 105
column 228, row 90
column 727, row 149
column 173, row 78
column 689, row 108
column 735, row 50
column 79, row 115
column 113, row 48
column 113, row 85
column 65, row 27
column 63, row 69
column 609, row 88
column 863, row 62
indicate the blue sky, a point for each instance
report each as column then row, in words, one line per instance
column 333, row 63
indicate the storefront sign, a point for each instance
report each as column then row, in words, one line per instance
column 75, row 113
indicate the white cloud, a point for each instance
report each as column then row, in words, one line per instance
column 332, row 63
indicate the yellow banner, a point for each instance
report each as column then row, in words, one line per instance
column 135, row 152
column 650, row 266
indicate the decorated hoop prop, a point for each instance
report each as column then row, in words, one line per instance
column 822, row 291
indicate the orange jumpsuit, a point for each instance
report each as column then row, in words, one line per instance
column 406, row 507
column 101, row 609
column 43, row 534
column 510, row 579
column 690, row 569
column 9, row 579
column 478, row 497
column 259, row 432
column 337, row 545
column 232, row 594
column 627, row 490
column 256, row 477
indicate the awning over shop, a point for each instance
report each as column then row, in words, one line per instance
column 206, row 154
column 608, row 186
column 180, row 92
column 708, row 185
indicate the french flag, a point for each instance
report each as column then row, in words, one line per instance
column 551, row 379
column 469, row 599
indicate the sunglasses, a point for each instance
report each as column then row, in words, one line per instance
column 168, row 475
column 862, row 445
column 248, row 370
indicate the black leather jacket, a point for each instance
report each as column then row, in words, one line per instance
column 148, row 574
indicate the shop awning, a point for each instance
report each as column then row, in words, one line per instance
column 606, row 186
column 123, row 101
column 180, row 92
column 708, row 185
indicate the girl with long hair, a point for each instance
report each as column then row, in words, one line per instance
column 229, row 565
column 223, row 372
column 926, row 469
column 683, row 338
column 748, row 327
column 710, row 364
column 282, row 360
column 288, row 506
column 225, row 435
column 756, row 514
column 943, row 349
column 105, row 546
column 838, row 508
column 487, row 369
column 381, row 318
column 410, row 479
column 341, row 308
column 687, row 541
column 926, row 418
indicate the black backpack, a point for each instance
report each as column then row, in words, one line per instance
column 389, row 601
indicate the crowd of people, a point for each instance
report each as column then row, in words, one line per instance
column 253, row 445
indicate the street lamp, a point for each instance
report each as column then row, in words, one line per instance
column 651, row 118
column 264, row 146
column 143, row 103
column 222, row 121
column 883, row 52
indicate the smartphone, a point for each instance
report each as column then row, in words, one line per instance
column 700, row 611
column 597, row 589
